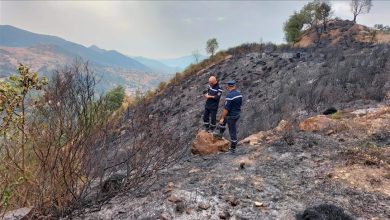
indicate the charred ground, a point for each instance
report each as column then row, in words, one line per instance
column 286, row 172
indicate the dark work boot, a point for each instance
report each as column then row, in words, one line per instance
column 233, row 148
column 219, row 134
column 206, row 127
column 212, row 128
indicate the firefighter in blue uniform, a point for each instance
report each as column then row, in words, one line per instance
column 212, row 95
column 231, row 114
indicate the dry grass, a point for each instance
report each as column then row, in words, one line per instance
column 195, row 68
column 368, row 154
column 367, row 178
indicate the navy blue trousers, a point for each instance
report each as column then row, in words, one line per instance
column 210, row 113
column 231, row 122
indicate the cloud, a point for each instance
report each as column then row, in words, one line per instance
column 221, row 18
column 341, row 8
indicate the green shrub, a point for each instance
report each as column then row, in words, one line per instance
column 114, row 98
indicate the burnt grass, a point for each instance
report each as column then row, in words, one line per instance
column 276, row 88
column 285, row 178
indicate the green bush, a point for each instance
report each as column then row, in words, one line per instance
column 293, row 27
column 114, row 98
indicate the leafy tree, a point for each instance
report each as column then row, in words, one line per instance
column 293, row 27
column 360, row 7
column 211, row 46
column 316, row 12
column 311, row 15
column 323, row 12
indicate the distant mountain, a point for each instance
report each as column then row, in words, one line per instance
column 14, row 37
column 157, row 65
column 181, row 62
column 45, row 53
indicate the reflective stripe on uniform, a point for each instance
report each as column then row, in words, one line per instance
column 235, row 97
column 215, row 90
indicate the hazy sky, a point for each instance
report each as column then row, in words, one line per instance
column 165, row 29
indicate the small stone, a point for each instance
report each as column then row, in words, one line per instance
column 259, row 188
column 224, row 215
column 195, row 170
column 242, row 165
column 167, row 191
column 21, row 213
column 259, row 204
column 174, row 199
column 188, row 211
column 330, row 132
column 204, row 206
column 165, row 216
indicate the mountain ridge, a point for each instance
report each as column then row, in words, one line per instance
column 156, row 65
column 15, row 37
column 181, row 62
column 45, row 53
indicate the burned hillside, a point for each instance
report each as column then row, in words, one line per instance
column 288, row 84
column 279, row 171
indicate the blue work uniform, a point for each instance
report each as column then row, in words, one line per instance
column 211, row 106
column 233, row 104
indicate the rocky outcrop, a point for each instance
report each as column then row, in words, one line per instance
column 255, row 139
column 362, row 122
column 21, row 213
column 205, row 144
column 342, row 32
column 318, row 123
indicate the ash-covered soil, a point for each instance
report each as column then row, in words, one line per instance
column 283, row 176
column 270, row 179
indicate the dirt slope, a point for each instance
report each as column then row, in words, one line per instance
column 342, row 32
column 275, row 179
